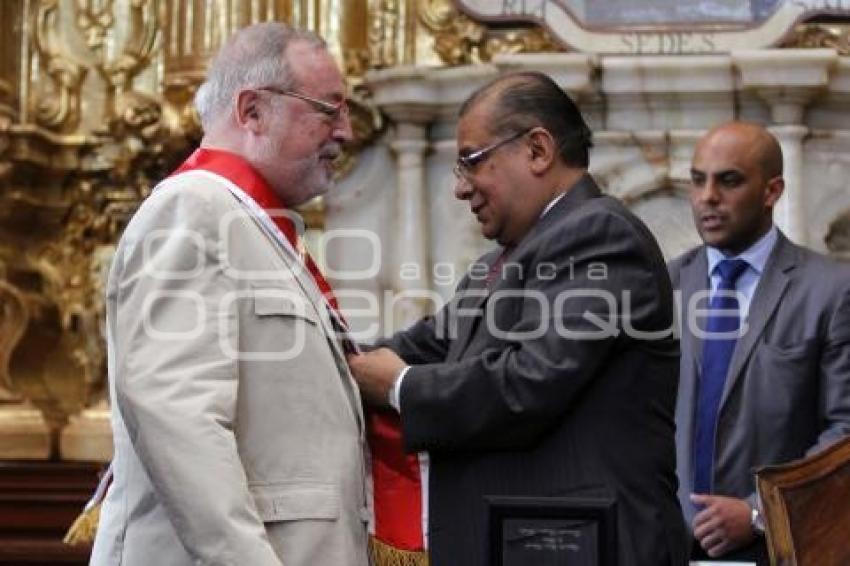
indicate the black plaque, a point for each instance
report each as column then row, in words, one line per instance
column 552, row 531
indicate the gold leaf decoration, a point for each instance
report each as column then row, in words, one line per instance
column 834, row 36
column 458, row 40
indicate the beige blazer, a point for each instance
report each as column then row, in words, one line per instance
column 237, row 426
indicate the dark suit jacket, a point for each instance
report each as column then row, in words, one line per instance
column 787, row 392
column 547, row 413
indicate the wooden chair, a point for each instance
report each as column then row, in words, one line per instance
column 806, row 505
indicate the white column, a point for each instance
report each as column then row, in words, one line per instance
column 788, row 80
column 790, row 212
column 411, row 267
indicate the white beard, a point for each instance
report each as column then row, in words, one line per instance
column 300, row 180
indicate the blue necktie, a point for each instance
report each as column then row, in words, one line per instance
column 716, row 355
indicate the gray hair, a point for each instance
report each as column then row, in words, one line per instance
column 252, row 57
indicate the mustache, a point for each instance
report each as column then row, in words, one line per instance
column 330, row 151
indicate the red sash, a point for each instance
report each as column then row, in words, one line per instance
column 239, row 172
column 397, row 485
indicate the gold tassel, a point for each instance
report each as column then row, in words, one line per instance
column 386, row 555
column 84, row 527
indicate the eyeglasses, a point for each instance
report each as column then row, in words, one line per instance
column 466, row 163
column 332, row 110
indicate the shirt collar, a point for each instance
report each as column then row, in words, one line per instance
column 509, row 248
column 552, row 203
column 755, row 256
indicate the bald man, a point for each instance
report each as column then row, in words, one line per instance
column 765, row 366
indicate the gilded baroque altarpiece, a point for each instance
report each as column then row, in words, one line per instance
column 95, row 107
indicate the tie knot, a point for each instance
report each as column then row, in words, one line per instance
column 731, row 269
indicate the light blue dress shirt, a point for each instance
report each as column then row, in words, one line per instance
column 756, row 257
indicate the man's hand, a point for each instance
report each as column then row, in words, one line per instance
column 375, row 373
column 723, row 525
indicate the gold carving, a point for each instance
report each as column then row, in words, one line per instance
column 458, row 40
column 7, row 116
column 72, row 180
column 457, row 43
column 384, row 32
column 135, row 56
column 456, row 37
column 94, row 19
column 13, row 321
column 367, row 124
column 138, row 47
column 835, row 36
column 112, row 114
column 532, row 40
column 59, row 107
column 356, row 62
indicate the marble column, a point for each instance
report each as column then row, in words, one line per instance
column 790, row 212
column 414, row 98
column 788, row 80
column 411, row 264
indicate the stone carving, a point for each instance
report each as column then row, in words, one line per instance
column 657, row 26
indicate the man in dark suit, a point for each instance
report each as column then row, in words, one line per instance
column 552, row 371
column 779, row 388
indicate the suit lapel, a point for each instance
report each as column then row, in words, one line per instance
column 694, row 280
column 474, row 298
column 317, row 302
column 584, row 189
column 766, row 298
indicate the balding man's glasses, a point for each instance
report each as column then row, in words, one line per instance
column 332, row 110
column 465, row 164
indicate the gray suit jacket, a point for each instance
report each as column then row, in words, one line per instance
column 787, row 392
column 520, row 404
column 237, row 427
